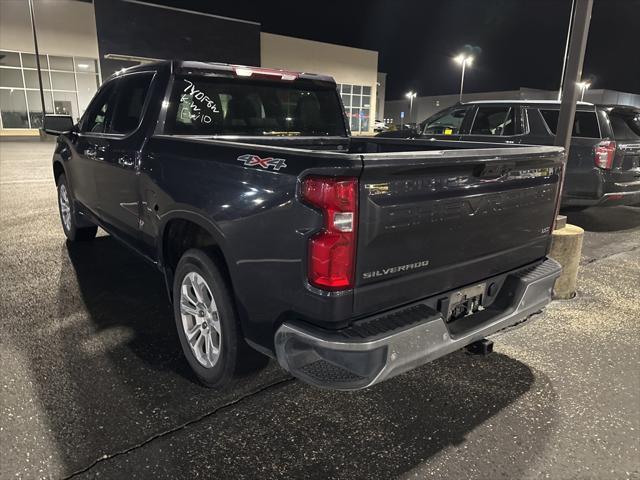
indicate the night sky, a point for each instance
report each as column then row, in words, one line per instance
column 518, row 43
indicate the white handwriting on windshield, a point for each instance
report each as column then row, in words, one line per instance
column 191, row 110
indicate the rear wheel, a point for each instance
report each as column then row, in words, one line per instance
column 205, row 319
column 68, row 215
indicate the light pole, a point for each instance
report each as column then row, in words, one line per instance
column 584, row 86
column 35, row 45
column 411, row 95
column 463, row 60
column 566, row 49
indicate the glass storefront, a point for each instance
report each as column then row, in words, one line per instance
column 69, row 83
column 357, row 106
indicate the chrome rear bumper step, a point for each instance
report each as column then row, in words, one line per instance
column 376, row 349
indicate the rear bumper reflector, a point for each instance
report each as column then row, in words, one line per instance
column 620, row 198
column 376, row 349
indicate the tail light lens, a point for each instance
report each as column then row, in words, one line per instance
column 332, row 250
column 605, row 152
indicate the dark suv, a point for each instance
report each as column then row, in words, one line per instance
column 604, row 160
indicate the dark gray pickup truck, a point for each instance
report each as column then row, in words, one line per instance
column 349, row 260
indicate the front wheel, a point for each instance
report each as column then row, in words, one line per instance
column 68, row 215
column 205, row 319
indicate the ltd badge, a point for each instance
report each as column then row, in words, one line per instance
column 250, row 160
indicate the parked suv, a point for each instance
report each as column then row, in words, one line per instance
column 604, row 160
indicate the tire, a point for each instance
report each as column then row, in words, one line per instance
column 68, row 216
column 206, row 321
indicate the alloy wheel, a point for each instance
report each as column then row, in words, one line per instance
column 65, row 207
column 200, row 319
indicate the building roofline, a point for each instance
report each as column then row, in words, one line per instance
column 319, row 41
column 193, row 12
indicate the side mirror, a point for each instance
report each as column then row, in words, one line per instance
column 57, row 124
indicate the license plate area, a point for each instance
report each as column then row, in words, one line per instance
column 465, row 302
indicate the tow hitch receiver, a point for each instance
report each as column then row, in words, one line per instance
column 481, row 347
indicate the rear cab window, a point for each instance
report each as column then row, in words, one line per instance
column 585, row 124
column 207, row 106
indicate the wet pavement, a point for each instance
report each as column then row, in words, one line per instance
column 94, row 383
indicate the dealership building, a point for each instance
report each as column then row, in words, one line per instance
column 81, row 43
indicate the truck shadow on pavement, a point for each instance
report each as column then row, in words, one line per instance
column 605, row 219
column 122, row 390
column 396, row 429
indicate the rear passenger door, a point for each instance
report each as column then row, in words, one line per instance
column 496, row 124
column 118, row 173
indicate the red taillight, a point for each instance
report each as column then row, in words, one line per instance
column 605, row 152
column 332, row 250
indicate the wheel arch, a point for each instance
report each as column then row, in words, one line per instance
column 58, row 170
column 182, row 230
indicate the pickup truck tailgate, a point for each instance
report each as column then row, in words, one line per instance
column 433, row 221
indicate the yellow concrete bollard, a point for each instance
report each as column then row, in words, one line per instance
column 566, row 248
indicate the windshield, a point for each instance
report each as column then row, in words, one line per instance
column 220, row 106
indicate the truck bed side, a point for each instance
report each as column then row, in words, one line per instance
column 464, row 211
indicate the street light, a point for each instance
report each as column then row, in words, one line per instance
column 463, row 60
column 411, row 95
column 583, row 87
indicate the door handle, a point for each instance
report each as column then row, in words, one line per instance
column 126, row 162
column 92, row 152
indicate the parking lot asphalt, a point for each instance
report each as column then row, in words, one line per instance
column 94, row 383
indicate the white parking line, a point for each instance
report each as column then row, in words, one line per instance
column 19, row 182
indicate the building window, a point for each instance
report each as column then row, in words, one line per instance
column 357, row 106
column 69, row 83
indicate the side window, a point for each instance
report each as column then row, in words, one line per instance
column 98, row 111
column 494, row 121
column 551, row 119
column 446, row 123
column 585, row 124
column 131, row 94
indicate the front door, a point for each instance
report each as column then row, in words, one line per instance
column 90, row 145
column 117, row 176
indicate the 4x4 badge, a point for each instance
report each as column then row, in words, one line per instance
column 251, row 160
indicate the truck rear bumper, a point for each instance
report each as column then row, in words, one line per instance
column 380, row 347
